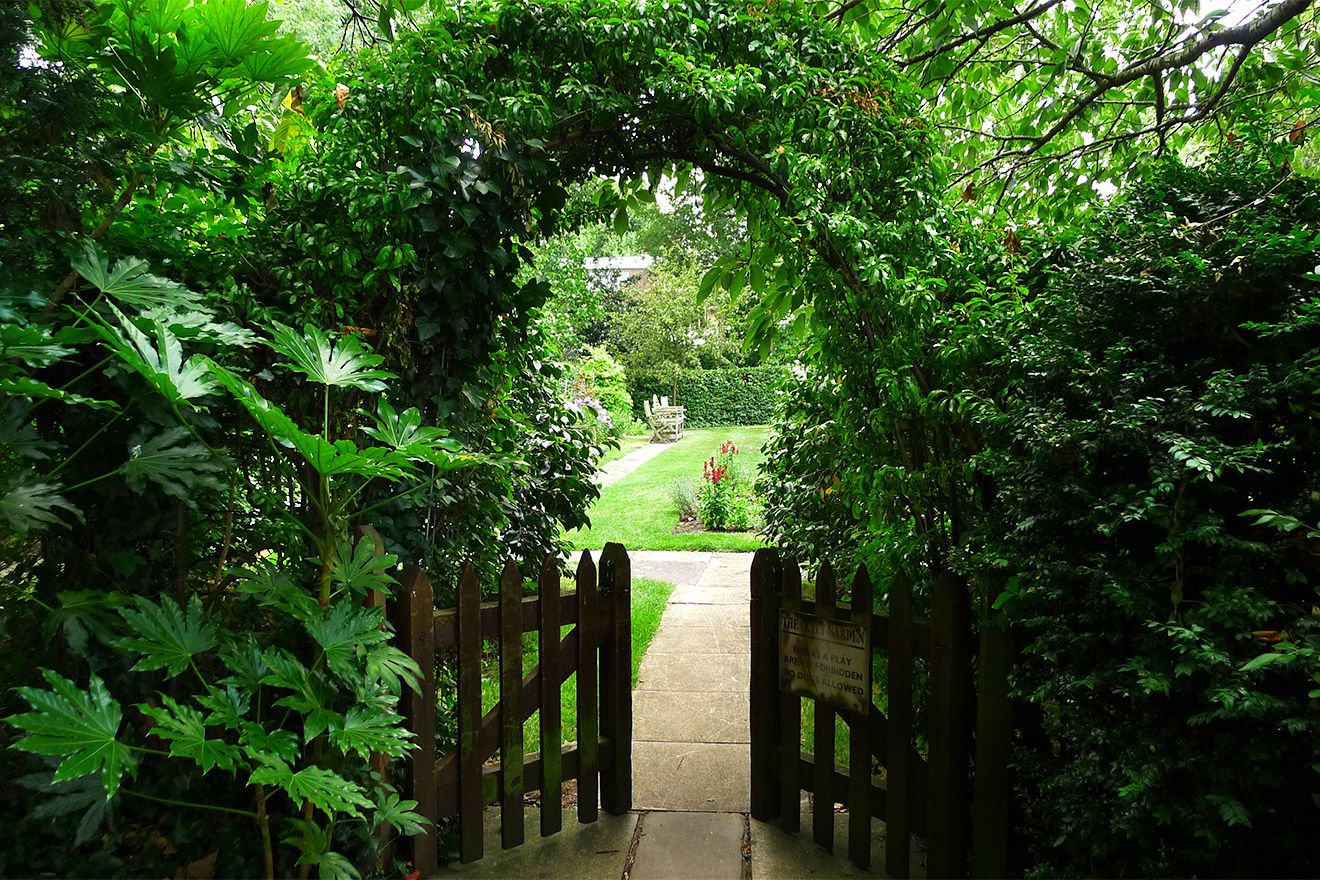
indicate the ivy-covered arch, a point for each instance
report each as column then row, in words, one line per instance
column 493, row 109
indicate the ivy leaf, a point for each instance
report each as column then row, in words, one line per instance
column 185, row 730
column 348, row 364
column 327, row 791
column 344, row 632
column 80, row 725
column 166, row 636
column 36, row 506
column 130, row 283
column 181, row 467
column 366, row 732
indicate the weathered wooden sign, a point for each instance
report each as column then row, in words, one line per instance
column 828, row 660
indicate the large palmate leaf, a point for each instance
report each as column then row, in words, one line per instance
column 405, row 433
column 345, row 364
column 342, row 457
column 358, row 568
column 185, row 730
column 399, row 813
column 345, row 632
column 34, row 346
column 327, row 791
column 268, row 746
column 157, row 358
column 176, row 463
column 167, row 636
column 129, row 282
column 367, row 732
column 29, row 506
column 84, row 613
column 274, row 588
column 26, row 386
column 79, row 725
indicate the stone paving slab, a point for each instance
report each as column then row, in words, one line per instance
column 679, row 573
column 778, row 855
column 683, row 615
column 597, row 851
column 676, row 716
column 622, row 467
column 682, row 846
column 696, row 673
column 700, row 639
column 690, row 594
column 704, row 777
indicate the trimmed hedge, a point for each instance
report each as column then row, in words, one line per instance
column 740, row 396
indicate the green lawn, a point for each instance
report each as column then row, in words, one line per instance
column 649, row 598
column 638, row 513
column 626, row 445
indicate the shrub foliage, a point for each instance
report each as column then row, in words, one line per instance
column 714, row 398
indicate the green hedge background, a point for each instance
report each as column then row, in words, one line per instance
column 714, row 398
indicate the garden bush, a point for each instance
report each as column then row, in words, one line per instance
column 724, row 495
column 1155, row 451
column 714, row 398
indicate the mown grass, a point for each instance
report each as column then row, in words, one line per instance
column 649, row 597
column 638, row 513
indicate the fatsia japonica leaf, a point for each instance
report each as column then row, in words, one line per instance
column 358, row 568
column 185, row 730
column 167, row 636
column 158, row 358
column 36, row 506
column 34, row 346
column 26, row 386
column 129, row 282
column 268, row 746
column 342, row 457
column 324, row 789
column 176, row 463
column 313, row 845
column 347, row 363
column 345, row 633
column 404, row 433
column 367, row 732
column 276, row 589
column 401, row 814
column 226, row 706
column 391, row 666
column 82, row 726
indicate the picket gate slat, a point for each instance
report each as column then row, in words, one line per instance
column 511, row 745
column 823, row 795
column 790, row 719
column 859, row 746
column 469, row 716
column 616, row 680
column 898, row 776
column 588, row 719
column 764, row 703
column 548, row 690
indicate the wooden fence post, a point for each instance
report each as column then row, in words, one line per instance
column 950, row 729
column 552, row 773
column 790, row 719
column 994, row 733
column 511, row 725
column 588, row 719
column 898, row 775
column 822, row 758
column 859, row 741
column 417, row 632
column 767, row 576
column 469, row 716
column 616, row 680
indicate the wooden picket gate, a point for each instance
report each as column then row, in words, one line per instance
column 598, row 649
column 957, row 797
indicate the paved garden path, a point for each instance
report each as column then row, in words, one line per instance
column 691, row 755
column 622, row 467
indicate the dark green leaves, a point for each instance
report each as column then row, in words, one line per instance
column 345, row 364
column 185, row 730
column 174, row 462
column 165, row 635
column 79, row 725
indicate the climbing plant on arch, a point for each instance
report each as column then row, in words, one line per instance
column 492, row 109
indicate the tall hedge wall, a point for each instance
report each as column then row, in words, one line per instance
column 740, row 396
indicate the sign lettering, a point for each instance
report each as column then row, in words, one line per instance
column 827, row 660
